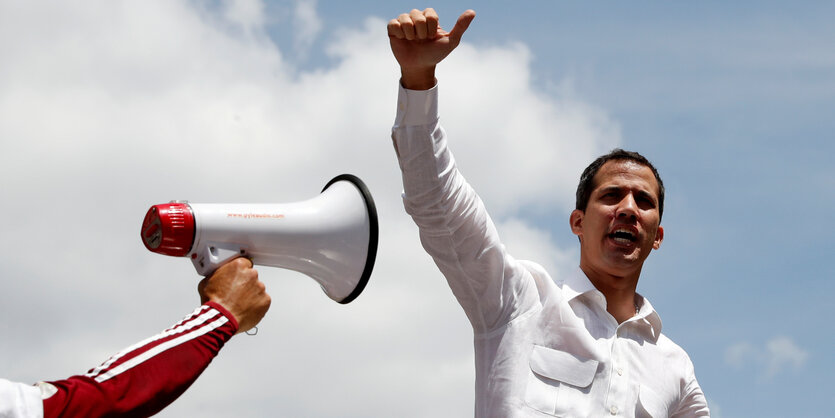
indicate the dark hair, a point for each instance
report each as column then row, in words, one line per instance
column 586, row 185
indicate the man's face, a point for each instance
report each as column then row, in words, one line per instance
column 620, row 225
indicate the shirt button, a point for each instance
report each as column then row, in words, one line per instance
column 620, row 371
column 613, row 410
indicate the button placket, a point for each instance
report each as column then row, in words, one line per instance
column 618, row 383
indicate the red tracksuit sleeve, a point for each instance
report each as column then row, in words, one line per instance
column 141, row 380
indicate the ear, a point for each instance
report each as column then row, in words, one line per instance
column 659, row 236
column 576, row 222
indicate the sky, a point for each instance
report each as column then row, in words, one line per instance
column 109, row 107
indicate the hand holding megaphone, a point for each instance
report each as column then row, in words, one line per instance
column 236, row 287
column 332, row 237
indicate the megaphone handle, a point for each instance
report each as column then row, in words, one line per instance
column 212, row 255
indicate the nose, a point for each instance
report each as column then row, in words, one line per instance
column 628, row 208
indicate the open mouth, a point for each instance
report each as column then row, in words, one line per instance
column 623, row 236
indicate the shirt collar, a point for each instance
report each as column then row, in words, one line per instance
column 578, row 283
column 647, row 315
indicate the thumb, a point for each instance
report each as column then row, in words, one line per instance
column 461, row 26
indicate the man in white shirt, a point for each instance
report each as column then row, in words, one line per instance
column 586, row 345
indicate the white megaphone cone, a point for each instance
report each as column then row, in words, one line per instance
column 332, row 237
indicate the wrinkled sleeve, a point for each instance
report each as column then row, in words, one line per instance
column 454, row 226
column 693, row 402
column 143, row 379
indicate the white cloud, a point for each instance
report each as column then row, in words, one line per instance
column 738, row 354
column 108, row 107
column 783, row 353
column 526, row 242
column 778, row 355
column 246, row 14
column 307, row 25
column 535, row 148
column 715, row 409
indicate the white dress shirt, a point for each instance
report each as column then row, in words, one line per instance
column 543, row 347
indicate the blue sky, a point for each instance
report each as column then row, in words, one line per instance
column 732, row 102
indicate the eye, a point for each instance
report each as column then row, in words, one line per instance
column 645, row 201
column 609, row 196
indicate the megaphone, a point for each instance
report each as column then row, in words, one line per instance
column 332, row 237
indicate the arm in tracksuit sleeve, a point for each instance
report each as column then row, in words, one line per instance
column 455, row 228
column 141, row 380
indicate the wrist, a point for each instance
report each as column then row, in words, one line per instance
column 417, row 78
column 225, row 312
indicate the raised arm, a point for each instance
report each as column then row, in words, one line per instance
column 455, row 228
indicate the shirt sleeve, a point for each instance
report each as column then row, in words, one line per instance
column 146, row 377
column 455, row 228
column 693, row 402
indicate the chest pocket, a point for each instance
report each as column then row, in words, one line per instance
column 650, row 405
column 559, row 382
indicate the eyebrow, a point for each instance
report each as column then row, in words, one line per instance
column 611, row 189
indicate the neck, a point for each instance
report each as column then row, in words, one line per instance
column 620, row 294
column 622, row 308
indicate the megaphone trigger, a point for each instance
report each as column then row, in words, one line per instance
column 212, row 255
